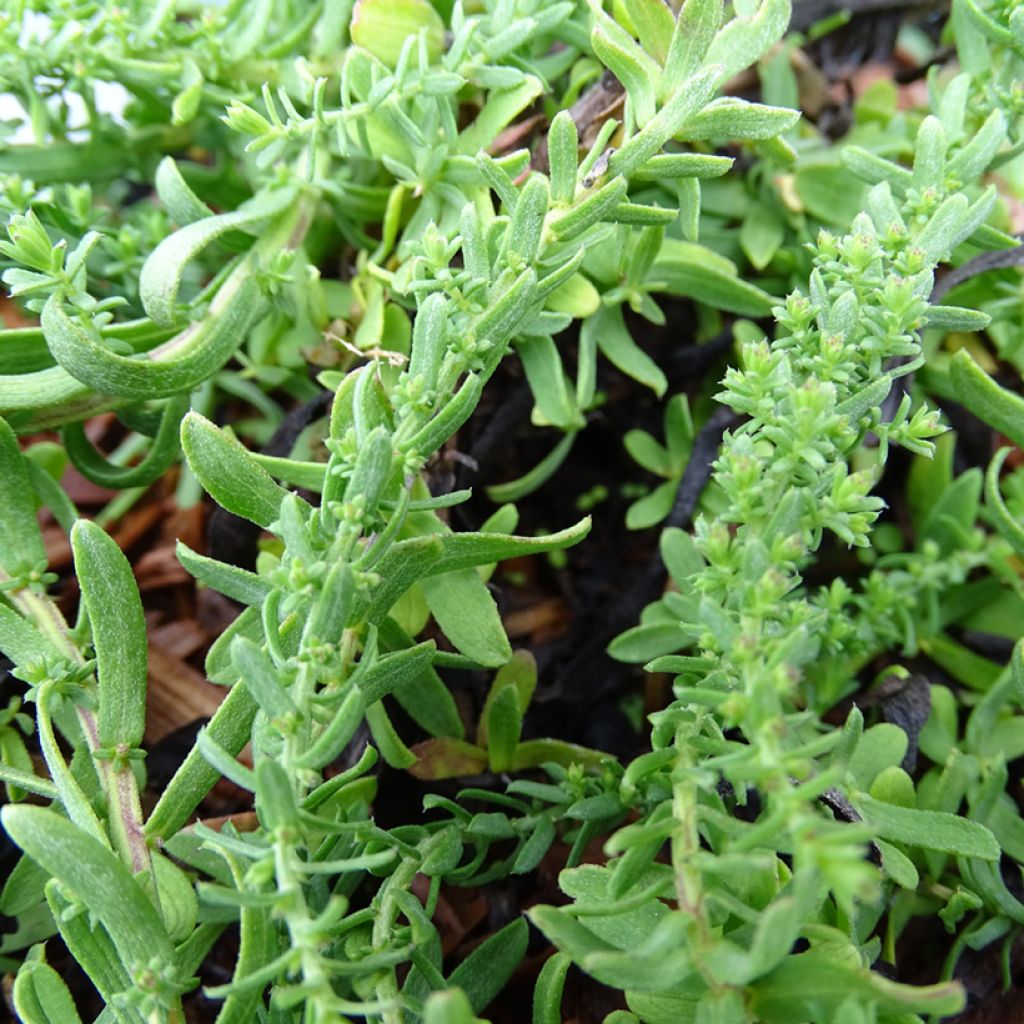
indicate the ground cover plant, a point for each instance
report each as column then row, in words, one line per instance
column 680, row 343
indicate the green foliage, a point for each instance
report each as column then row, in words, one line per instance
column 284, row 138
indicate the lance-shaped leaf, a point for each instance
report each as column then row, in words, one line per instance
column 97, row 878
column 229, row 580
column 619, row 52
column 548, row 383
column 228, row 472
column 483, row 974
column 685, row 268
column 522, row 239
column 468, row 550
column 21, row 641
column 21, row 543
column 466, row 611
column 176, row 194
column 1007, row 524
column 744, row 41
column 260, row 677
column 408, row 561
column 732, row 118
column 998, row 407
column 41, row 997
column 814, row 985
column 162, row 272
column 696, row 27
column 690, row 97
column 393, row 671
column 118, row 634
column 178, row 365
column 230, row 728
column 929, row 830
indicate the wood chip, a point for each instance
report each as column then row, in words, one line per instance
column 177, row 694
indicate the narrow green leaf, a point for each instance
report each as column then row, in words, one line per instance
column 372, row 470
column 643, row 643
column 513, row 490
column 162, row 454
column 689, row 98
column 229, row 580
column 685, row 268
column 618, row 52
column 543, row 365
column 972, row 160
column 23, row 780
column 228, row 473
column 928, row 830
column 653, row 23
column 563, row 156
column 468, row 550
column 761, row 234
column 534, row 753
column 680, row 555
column 568, row 934
column 118, row 634
column 483, row 974
column 547, row 994
column 402, row 565
column 276, row 801
column 183, row 205
column 41, row 997
column 683, row 165
column 647, row 452
column 429, row 339
column 94, row 950
column 618, row 346
column 256, row 950
column 76, row 802
column 224, row 763
column 333, row 740
column 504, row 721
column 261, row 678
column 998, row 407
column 394, row 671
column 939, row 236
column 178, row 365
column 732, row 118
column 1007, row 524
column 21, row 542
column 21, row 641
column 160, row 279
column 97, row 878
column 468, row 615
column 957, row 318
column 696, row 26
column 898, row 866
column 389, row 743
column 522, row 239
column 230, row 727
column 744, row 41
column 428, row 701
column 500, row 110
column 812, row 986
column 588, row 212
column 452, row 415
